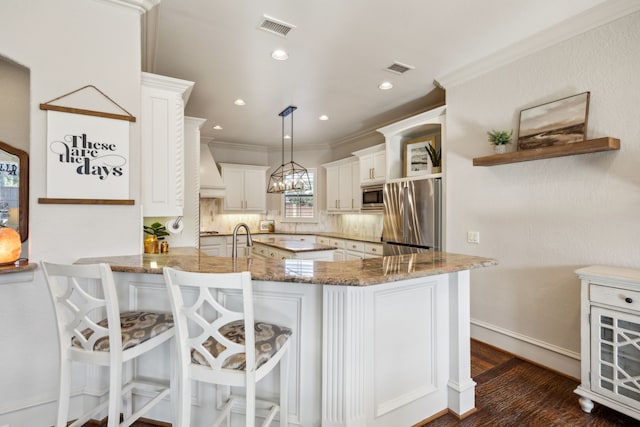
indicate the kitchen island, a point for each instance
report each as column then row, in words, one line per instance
column 376, row 342
column 284, row 248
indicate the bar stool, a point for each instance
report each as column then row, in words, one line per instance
column 218, row 345
column 92, row 330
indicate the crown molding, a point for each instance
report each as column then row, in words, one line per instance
column 142, row 6
column 262, row 148
column 234, row 145
column 597, row 16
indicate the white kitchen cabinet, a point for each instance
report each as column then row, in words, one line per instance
column 338, row 255
column 372, row 250
column 347, row 249
column 241, row 245
column 343, row 185
column 259, row 251
column 162, row 144
column 610, row 332
column 214, row 245
column 373, row 164
column 356, row 192
column 353, row 250
column 246, row 187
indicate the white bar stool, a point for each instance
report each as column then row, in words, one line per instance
column 92, row 330
column 227, row 348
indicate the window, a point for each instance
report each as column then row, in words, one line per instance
column 300, row 206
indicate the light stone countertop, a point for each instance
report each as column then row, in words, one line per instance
column 260, row 234
column 364, row 272
column 291, row 245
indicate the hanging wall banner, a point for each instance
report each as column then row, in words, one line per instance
column 87, row 157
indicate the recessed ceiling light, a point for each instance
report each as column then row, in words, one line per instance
column 279, row 55
column 217, row 127
column 239, row 102
column 385, row 86
column 324, row 117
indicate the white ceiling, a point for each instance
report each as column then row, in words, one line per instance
column 338, row 54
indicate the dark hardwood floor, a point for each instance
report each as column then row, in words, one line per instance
column 514, row 392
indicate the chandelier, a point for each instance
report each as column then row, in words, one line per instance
column 289, row 176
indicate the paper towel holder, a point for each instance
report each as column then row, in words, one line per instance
column 175, row 226
column 176, row 223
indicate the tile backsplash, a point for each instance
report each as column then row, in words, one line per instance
column 362, row 225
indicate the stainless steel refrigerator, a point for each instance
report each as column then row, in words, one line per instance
column 412, row 216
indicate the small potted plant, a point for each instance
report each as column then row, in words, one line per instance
column 500, row 139
column 436, row 156
column 156, row 232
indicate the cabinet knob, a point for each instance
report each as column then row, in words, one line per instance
column 628, row 300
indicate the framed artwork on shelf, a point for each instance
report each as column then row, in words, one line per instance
column 416, row 156
column 559, row 122
column 267, row 225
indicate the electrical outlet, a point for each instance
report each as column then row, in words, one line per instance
column 473, row 237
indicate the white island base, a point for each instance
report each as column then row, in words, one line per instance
column 391, row 354
column 396, row 354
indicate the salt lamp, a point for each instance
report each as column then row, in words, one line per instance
column 10, row 245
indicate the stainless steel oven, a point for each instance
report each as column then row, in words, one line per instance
column 372, row 198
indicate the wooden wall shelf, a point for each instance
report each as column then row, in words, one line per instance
column 582, row 147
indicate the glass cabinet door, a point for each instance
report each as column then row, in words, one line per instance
column 615, row 355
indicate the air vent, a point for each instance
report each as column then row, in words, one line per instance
column 399, row 68
column 276, row 26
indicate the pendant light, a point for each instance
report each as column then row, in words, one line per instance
column 289, row 176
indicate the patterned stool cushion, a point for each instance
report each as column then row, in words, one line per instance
column 269, row 339
column 137, row 327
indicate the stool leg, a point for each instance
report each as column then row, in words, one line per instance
column 184, row 398
column 115, row 394
column 175, row 388
column 251, row 400
column 64, row 391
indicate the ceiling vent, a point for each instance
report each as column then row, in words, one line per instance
column 399, row 68
column 275, row 26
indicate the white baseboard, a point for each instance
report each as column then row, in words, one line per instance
column 551, row 356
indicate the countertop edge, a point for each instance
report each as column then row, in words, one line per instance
column 366, row 272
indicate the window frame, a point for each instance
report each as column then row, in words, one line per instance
column 314, row 218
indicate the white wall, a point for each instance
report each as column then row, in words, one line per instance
column 543, row 219
column 65, row 44
column 61, row 60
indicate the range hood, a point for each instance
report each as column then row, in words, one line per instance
column 211, row 185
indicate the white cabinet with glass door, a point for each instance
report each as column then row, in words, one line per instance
column 610, row 339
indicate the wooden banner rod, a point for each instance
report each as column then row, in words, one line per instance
column 47, row 106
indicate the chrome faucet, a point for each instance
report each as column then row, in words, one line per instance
column 234, row 247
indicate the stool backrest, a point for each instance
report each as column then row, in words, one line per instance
column 198, row 321
column 83, row 295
